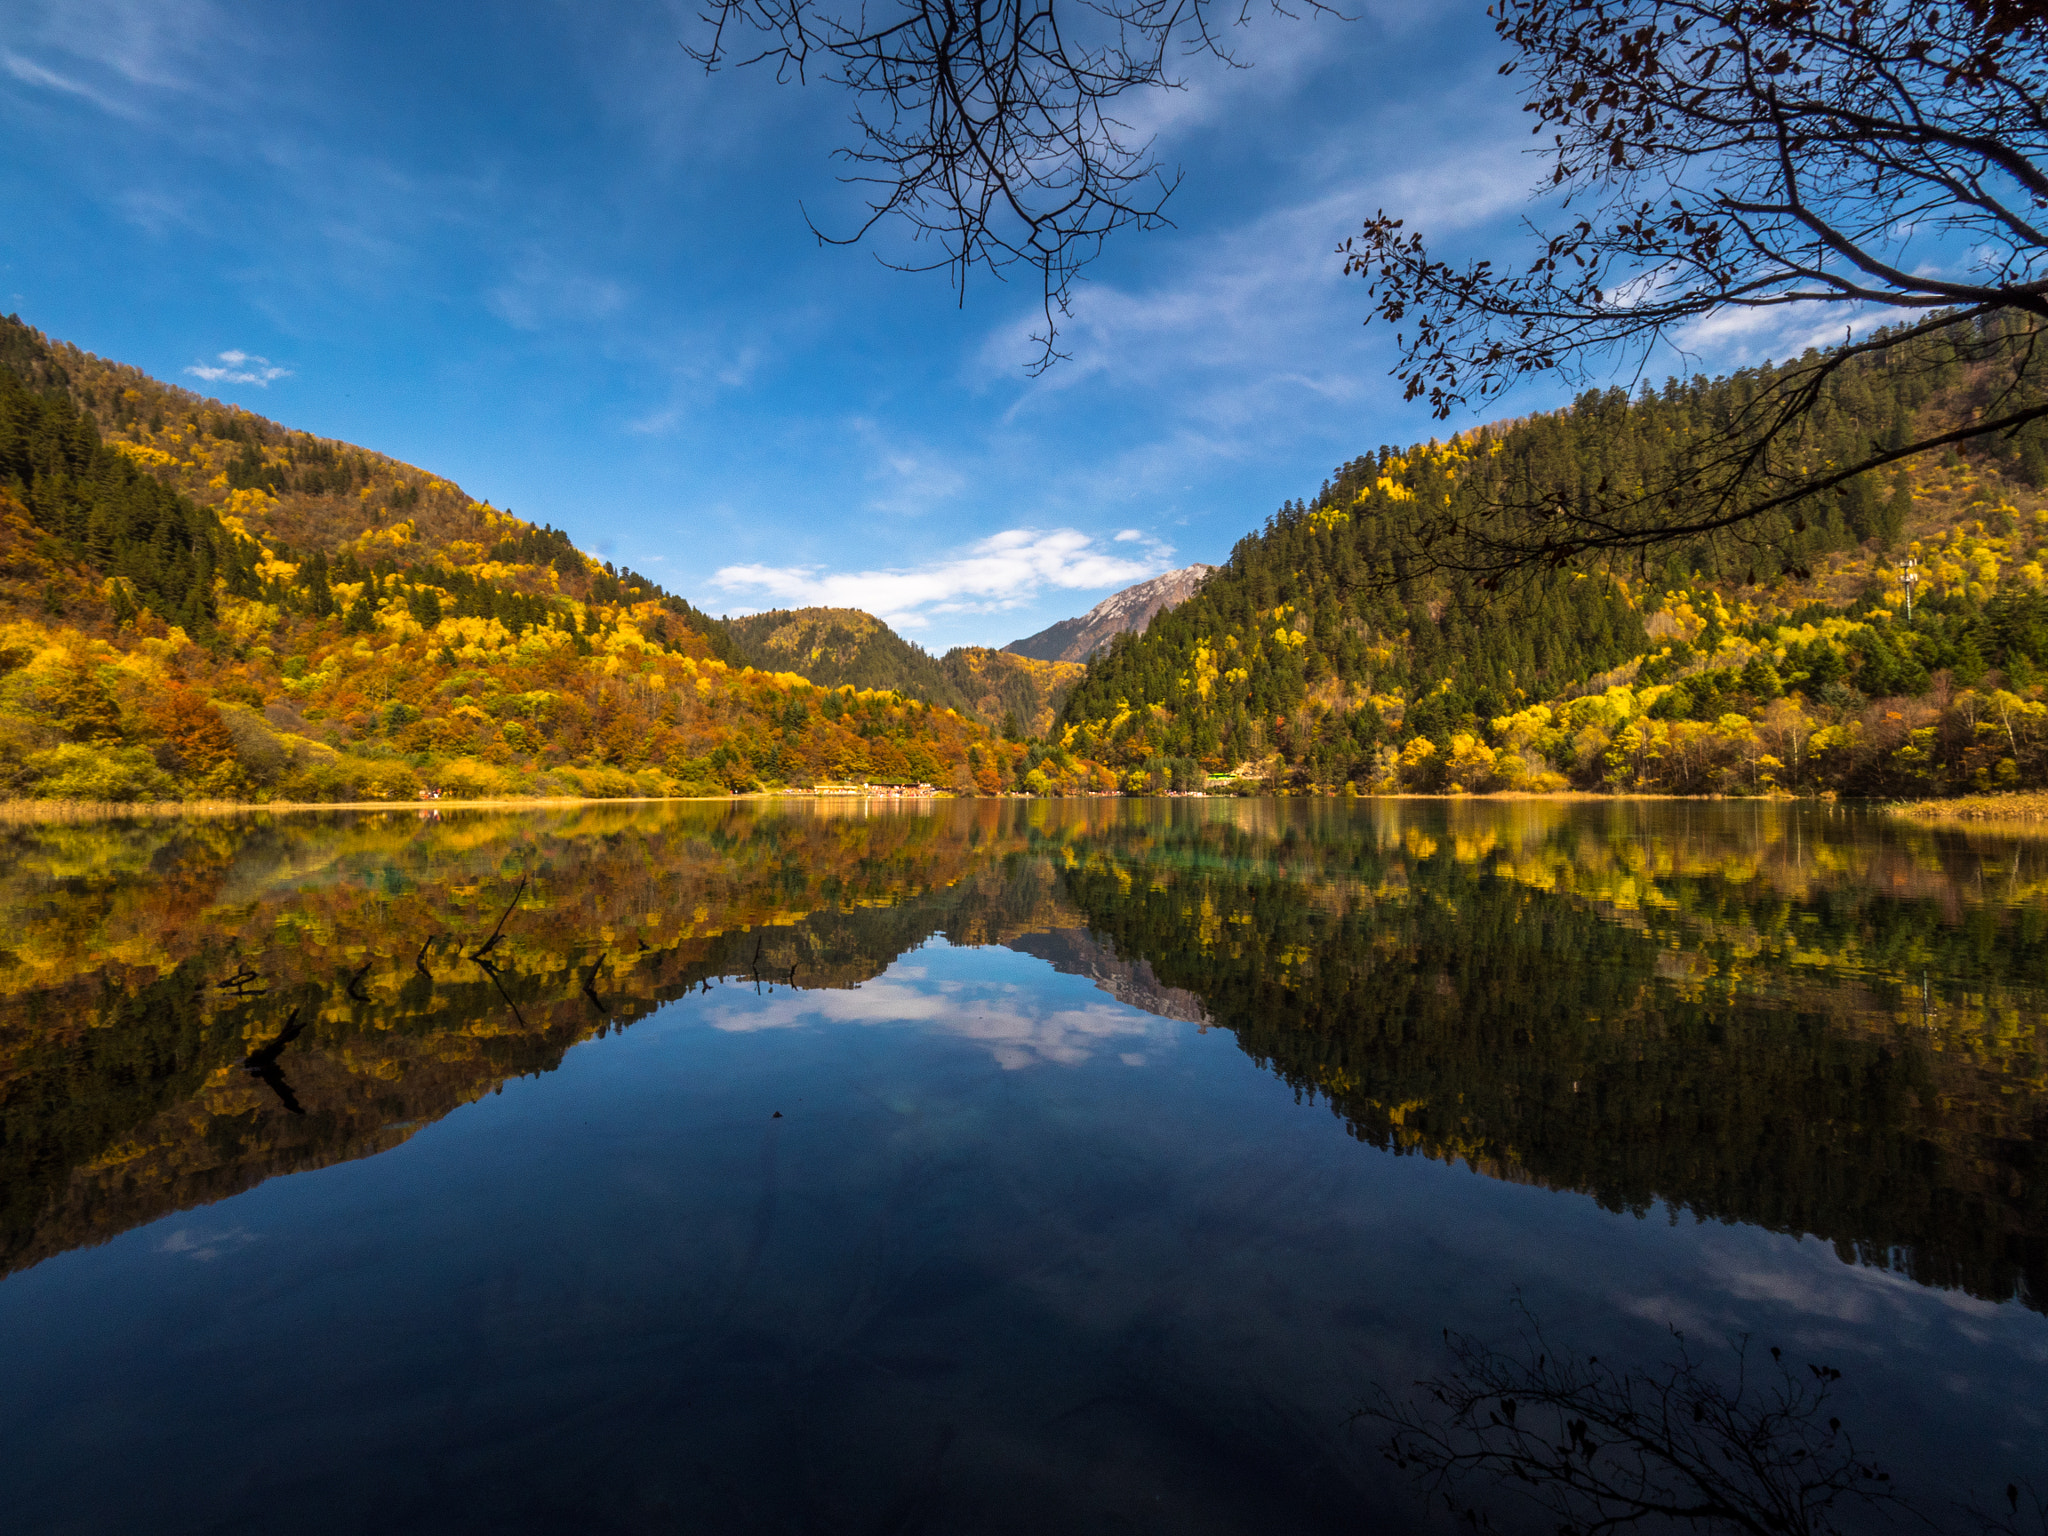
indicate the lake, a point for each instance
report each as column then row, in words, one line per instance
column 1033, row 1167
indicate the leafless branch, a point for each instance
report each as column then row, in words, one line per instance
column 990, row 129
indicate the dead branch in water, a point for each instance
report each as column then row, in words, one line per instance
column 498, row 932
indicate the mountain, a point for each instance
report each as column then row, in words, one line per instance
column 839, row 647
column 1011, row 693
column 1328, row 653
column 1120, row 613
column 843, row 647
column 197, row 602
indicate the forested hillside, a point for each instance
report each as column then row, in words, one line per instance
column 1327, row 653
column 198, row 602
column 844, row 647
column 1020, row 695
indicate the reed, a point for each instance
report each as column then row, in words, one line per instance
column 2019, row 806
column 29, row 811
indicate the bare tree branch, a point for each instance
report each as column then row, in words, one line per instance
column 990, row 129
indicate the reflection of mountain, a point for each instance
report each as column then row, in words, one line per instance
column 1719, row 1010
column 1075, row 952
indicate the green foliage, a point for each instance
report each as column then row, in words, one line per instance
column 364, row 630
column 99, row 508
column 78, row 771
column 1529, row 1033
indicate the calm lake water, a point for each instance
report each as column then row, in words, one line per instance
column 983, row 1167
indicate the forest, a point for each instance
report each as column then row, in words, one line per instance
column 197, row 603
column 1329, row 655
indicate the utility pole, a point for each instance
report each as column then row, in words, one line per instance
column 1909, row 576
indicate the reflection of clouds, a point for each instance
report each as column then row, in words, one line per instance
column 1672, row 1313
column 1004, row 1019
column 1847, row 1293
column 204, row 1246
column 1818, row 1290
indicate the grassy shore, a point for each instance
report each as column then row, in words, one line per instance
column 2022, row 806
column 101, row 810
column 22, row 811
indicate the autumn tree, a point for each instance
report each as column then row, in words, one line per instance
column 190, row 733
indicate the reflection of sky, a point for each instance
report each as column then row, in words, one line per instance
column 1821, row 1304
column 805, row 1261
column 1018, row 1025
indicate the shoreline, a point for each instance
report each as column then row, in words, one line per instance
column 2026, row 808
column 88, row 810
column 2023, row 807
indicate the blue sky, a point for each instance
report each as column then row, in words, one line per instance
column 532, row 248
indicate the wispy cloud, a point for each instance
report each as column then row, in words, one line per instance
column 125, row 56
column 909, row 477
column 540, row 291
column 237, row 367
column 29, row 72
column 204, row 1245
column 1241, row 327
column 1005, row 571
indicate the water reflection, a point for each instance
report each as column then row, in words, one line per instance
column 1809, row 1021
column 1012, row 1022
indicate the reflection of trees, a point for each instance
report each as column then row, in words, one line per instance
column 188, row 1008
column 1441, row 1003
column 1720, row 1009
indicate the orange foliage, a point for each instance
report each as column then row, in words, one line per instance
column 191, row 732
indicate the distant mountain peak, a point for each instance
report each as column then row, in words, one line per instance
column 1131, row 609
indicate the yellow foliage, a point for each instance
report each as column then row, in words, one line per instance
column 148, row 457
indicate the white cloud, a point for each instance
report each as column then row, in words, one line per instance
column 1127, row 536
column 1001, row 572
column 237, row 367
column 1737, row 335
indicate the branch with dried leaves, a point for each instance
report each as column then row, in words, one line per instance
column 1601, row 1449
column 1716, row 156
